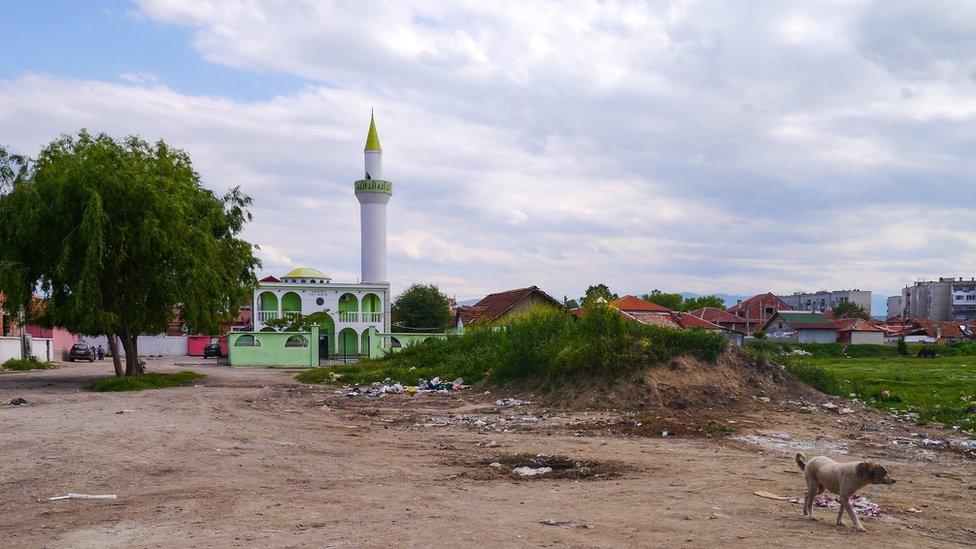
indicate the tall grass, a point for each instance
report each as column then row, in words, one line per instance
column 541, row 343
column 27, row 364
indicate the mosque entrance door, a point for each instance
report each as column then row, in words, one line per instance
column 323, row 347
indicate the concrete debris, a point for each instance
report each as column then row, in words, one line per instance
column 531, row 471
column 510, row 402
column 552, row 522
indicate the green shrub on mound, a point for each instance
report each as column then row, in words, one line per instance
column 543, row 342
column 145, row 381
column 27, row 364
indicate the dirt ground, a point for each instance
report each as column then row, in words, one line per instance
column 250, row 457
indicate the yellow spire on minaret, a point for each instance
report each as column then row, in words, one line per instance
column 372, row 138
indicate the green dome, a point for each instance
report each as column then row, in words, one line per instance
column 305, row 272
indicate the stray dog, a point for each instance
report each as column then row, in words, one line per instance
column 843, row 479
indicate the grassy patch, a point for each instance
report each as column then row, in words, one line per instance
column 27, row 364
column 942, row 389
column 541, row 343
column 145, row 381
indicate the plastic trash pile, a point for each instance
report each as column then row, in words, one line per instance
column 510, row 402
column 861, row 505
column 378, row 389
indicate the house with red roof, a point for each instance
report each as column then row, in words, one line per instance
column 500, row 305
column 650, row 313
column 722, row 318
column 858, row 331
column 924, row 330
column 757, row 310
column 800, row 327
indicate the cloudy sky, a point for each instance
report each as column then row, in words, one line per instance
column 700, row 146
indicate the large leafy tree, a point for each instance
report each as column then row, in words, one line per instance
column 421, row 307
column 116, row 234
column 849, row 309
column 596, row 292
column 669, row 300
column 693, row 303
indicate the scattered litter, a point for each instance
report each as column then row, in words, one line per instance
column 665, row 433
column 531, row 471
column 714, row 516
column 495, row 465
column 830, row 406
column 914, row 510
column 18, row 402
column 510, row 402
column 764, row 399
column 860, row 504
column 551, row 522
column 770, row 495
column 84, row 496
column 125, row 411
column 845, row 411
column 799, row 352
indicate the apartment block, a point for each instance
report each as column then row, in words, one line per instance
column 826, row 300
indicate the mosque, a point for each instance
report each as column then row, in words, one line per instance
column 343, row 311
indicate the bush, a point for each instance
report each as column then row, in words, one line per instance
column 759, row 334
column 145, row 381
column 902, row 347
column 543, row 342
column 27, row 364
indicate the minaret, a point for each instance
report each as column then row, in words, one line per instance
column 374, row 194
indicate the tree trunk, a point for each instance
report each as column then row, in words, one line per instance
column 131, row 355
column 113, row 347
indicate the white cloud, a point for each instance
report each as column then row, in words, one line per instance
column 677, row 145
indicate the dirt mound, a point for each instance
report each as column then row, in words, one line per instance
column 684, row 383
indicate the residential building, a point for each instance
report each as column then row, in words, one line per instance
column 647, row 312
column 894, row 306
column 800, row 327
column 757, row 310
column 498, row 306
column 858, row 331
column 722, row 318
column 826, row 300
column 945, row 299
column 924, row 330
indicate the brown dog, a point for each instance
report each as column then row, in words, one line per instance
column 843, row 479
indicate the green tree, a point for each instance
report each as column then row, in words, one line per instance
column 115, row 234
column 295, row 322
column 849, row 309
column 694, row 303
column 671, row 301
column 595, row 292
column 421, row 307
column 570, row 303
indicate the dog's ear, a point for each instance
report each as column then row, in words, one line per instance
column 863, row 470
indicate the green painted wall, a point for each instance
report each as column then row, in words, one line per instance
column 372, row 304
column 272, row 350
column 291, row 303
column 348, row 303
column 376, row 347
column 269, row 302
column 348, row 342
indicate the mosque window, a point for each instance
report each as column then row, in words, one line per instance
column 320, row 302
column 247, row 341
column 296, row 341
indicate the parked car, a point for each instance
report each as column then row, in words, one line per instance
column 81, row 351
column 212, row 350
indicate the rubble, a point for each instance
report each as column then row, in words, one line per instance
column 525, row 471
column 510, row 402
column 860, row 504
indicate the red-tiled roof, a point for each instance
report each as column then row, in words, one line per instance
column 689, row 320
column 713, row 314
column 269, row 278
column 854, row 325
column 655, row 319
column 631, row 303
column 950, row 328
column 778, row 303
column 494, row 305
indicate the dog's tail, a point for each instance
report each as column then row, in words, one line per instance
column 801, row 461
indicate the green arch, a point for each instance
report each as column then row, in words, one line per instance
column 267, row 301
column 326, row 328
column 348, row 342
column 372, row 304
column 348, row 303
column 291, row 303
column 364, row 342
